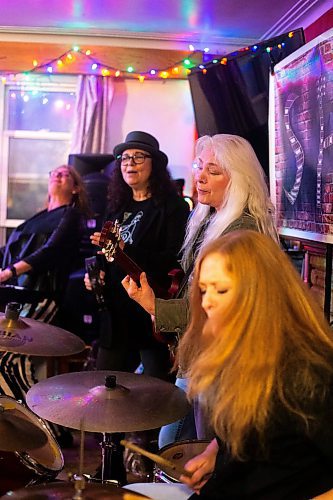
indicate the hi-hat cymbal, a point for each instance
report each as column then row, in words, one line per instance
column 66, row 491
column 28, row 336
column 17, row 434
column 134, row 403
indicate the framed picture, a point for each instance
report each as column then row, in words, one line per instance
column 301, row 141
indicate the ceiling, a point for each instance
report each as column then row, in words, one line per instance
column 143, row 34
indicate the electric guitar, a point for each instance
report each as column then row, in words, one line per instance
column 109, row 241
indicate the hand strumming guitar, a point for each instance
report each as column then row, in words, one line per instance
column 143, row 294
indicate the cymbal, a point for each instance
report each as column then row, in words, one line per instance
column 17, row 434
column 66, row 491
column 29, row 336
column 107, row 401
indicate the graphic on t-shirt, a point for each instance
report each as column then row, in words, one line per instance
column 128, row 229
column 126, row 216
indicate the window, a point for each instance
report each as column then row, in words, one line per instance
column 37, row 121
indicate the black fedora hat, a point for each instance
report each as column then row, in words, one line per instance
column 143, row 141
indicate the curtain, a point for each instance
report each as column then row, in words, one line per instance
column 233, row 98
column 91, row 132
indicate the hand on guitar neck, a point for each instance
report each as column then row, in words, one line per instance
column 145, row 296
column 142, row 294
column 112, row 248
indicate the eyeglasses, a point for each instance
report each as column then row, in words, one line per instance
column 197, row 167
column 54, row 174
column 138, row 158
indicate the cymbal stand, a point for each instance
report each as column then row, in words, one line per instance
column 112, row 459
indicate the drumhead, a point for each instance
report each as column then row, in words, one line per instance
column 47, row 458
column 180, row 453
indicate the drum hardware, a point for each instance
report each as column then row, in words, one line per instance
column 17, row 434
column 28, row 336
column 109, row 448
column 112, row 469
column 178, row 454
column 156, row 458
column 69, row 490
column 22, row 467
column 110, row 403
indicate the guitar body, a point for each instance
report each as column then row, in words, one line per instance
column 110, row 241
column 176, row 276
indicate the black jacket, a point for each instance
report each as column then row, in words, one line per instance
column 155, row 248
column 49, row 242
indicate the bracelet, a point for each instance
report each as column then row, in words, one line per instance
column 12, row 269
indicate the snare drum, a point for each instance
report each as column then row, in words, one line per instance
column 179, row 453
column 19, row 469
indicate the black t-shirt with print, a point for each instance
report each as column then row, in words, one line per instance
column 153, row 232
column 132, row 217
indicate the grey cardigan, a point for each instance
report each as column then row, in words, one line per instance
column 173, row 315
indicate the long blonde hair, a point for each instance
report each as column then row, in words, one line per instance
column 273, row 346
column 247, row 190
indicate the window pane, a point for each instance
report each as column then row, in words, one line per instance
column 30, row 161
column 40, row 110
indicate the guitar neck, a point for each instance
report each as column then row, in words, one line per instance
column 134, row 271
column 109, row 240
column 128, row 265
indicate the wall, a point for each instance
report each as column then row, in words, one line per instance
column 303, row 170
column 315, row 252
column 317, row 265
column 322, row 24
column 164, row 109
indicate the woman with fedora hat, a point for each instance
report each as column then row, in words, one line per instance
column 152, row 217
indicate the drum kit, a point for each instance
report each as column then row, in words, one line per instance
column 91, row 401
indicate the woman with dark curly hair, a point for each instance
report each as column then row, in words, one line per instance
column 152, row 217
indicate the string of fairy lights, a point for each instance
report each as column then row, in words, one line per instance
column 178, row 69
column 268, row 47
column 96, row 66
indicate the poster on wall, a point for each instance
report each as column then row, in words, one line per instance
column 301, row 141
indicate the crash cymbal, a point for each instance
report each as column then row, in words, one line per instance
column 66, row 491
column 17, row 434
column 28, row 336
column 107, row 401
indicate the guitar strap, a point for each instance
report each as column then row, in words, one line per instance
column 189, row 270
column 184, row 281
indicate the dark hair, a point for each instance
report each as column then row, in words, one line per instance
column 120, row 194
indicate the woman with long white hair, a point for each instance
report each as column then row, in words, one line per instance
column 232, row 194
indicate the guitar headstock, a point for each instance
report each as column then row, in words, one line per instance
column 110, row 239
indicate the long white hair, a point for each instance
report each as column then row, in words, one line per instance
column 247, row 190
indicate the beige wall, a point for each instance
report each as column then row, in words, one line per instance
column 162, row 108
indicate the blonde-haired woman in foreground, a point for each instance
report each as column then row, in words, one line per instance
column 260, row 357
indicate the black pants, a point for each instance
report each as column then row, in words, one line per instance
column 156, row 361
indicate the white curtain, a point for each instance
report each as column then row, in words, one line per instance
column 91, row 132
